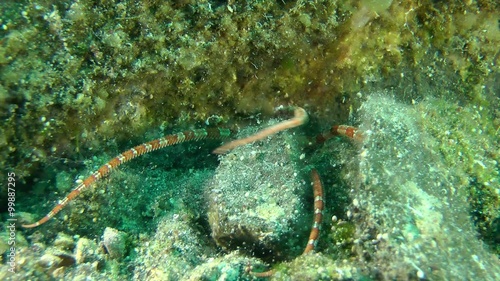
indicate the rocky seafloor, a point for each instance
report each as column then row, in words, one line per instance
column 397, row 208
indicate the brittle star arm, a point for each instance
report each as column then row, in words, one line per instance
column 128, row 155
column 300, row 117
column 319, row 205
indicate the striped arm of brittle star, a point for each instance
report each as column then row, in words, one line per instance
column 300, row 117
column 341, row 130
column 104, row 170
column 319, row 205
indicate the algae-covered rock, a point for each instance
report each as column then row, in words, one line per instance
column 86, row 250
column 232, row 266
column 64, row 241
column 409, row 195
column 256, row 197
column 174, row 250
column 115, row 242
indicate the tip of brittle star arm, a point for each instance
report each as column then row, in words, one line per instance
column 29, row 225
column 33, row 225
column 40, row 222
column 220, row 150
column 301, row 115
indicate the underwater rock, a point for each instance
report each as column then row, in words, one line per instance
column 174, row 250
column 256, row 199
column 228, row 267
column 86, row 250
column 410, row 207
column 49, row 262
column 64, row 241
column 58, row 255
column 54, row 259
column 115, row 243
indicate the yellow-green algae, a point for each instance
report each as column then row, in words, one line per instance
column 80, row 79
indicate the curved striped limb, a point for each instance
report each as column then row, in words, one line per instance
column 104, row 170
column 300, row 117
column 319, row 205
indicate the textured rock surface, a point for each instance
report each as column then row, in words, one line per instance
column 410, row 206
column 115, row 243
column 232, row 266
column 174, row 250
column 256, row 199
column 86, row 250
